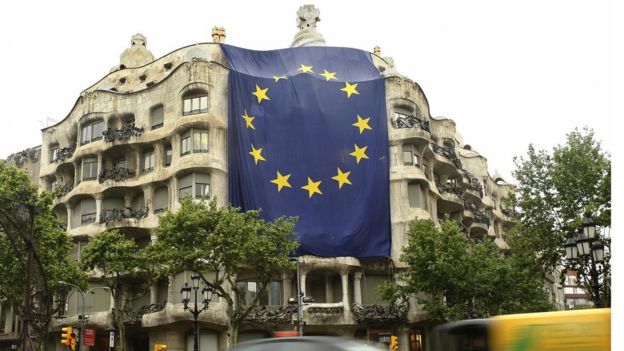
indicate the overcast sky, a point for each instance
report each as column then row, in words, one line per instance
column 509, row 73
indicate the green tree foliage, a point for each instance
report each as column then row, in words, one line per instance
column 123, row 268
column 220, row 242
column 555, row 191
column 455, row 278
column 34, row 250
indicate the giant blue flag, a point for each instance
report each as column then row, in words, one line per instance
column 308, row 138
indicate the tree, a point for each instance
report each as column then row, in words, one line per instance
column 123, row 268
column 555, row 191
column 455, row 278
column 203, row 238
column 33, row 255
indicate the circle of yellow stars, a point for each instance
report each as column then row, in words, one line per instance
column 313, row 187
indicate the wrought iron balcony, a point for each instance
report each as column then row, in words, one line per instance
column 380, row 313
column 119, row 214
column 469, row 206
column 474, row 183
column 452, row 189
column 410, row 122
column 65, row 153
column 328, row 311
column 482, row 217
column 448, row 153
column 132, row 316
column 116, row 174
column 63, row 189
column 124, row 133
column 271, row 315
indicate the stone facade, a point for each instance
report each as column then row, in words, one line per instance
column 123, row 155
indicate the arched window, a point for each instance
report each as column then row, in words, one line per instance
column 91, row 131
column 195, row 102
column 157, row 116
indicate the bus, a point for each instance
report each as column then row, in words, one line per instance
column 579, row 330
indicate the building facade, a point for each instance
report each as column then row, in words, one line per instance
column 154, row 130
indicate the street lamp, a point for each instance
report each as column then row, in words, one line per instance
column 589, row 249
column 300, row 300
column 83, row 320
column 195, row 311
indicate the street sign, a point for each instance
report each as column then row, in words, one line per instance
column 111, row 340
column 88, row 336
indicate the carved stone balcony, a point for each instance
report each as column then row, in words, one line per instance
column 116, row 174
column 132, row 316
column 394, row 313
column 410, row 122
column 326, row 310
column 123, row 133
column 271, row 315
column 119, row 214
column 448, row 153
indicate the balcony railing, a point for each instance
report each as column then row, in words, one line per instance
column 65, row 153
column 116, row 174
column 482, row 217
column 452, row 189
column 410, row 122
column 271, row 315
column 124, row 133
column 132, row 316
column 474, row 183
column 63, row 189
column 448, row 153
column 380, row 313
column 119, row 214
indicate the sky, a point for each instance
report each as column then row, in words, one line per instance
column 509, row 73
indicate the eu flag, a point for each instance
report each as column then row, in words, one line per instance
column 308, row 138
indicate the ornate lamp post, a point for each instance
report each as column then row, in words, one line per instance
column 300, row 300
column 195, row 311
column 589, row 249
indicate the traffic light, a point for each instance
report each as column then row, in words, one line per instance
column 160, row 347
column 394, row 343
column 66, row 338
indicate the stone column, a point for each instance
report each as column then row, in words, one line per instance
column 69, row 217
column 403, row 338
column 127, row 200
column 329, row 292
column 98, row 207
column 345, row 291
column 77, row 173
column 303, row 283
column 357, row 288
column 170, row 292
column 286, row 288
column 100, row 165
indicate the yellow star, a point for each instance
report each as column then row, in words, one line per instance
column 277, row 78
column 257, row 154
column 305, row 69
column 359, row 153
column 249, row 120
column 281, row 181
column 312, row 187
column 342, row 178
column 362, row 123
column 329, row 75
column 261, row 94
column 350, row 89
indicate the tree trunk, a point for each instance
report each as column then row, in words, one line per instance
column 120, row 340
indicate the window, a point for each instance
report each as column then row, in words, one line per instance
column 148, row 160
column 194, row 141
column 271, row 295
column 410, row 157
column 89, row 168
column 196, row 185
column 195, row 104
column 157, row 116
column 54, row 153
column 87, row 211
column 168, row 155
column 202, row 190
column 120, row 163
column 161, row 199
column 185, row 146
column 91, row 132
column 415, row 196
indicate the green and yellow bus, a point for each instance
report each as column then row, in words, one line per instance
column 580, row 330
